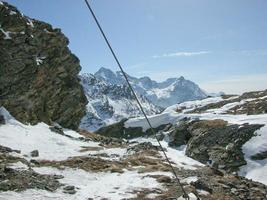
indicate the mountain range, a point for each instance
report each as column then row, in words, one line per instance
column 110, row 99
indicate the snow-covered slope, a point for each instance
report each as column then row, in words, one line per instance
column 110, row 100
column 92, row 183
column 230, row 110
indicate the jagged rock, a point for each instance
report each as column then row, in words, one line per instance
column 143, row 147
column 57, row 129
column 17, row 180
column 201, row 185
column 219, row 144
column 164, row 179
column 259, row 156
column 118, row 130
column 38, row 73
column 35, row 153
column 35, row 162
column 2, row 120
column 4, row 149
column 56, row 176
column 179, row 135
column 69, row 189
column 103, row 140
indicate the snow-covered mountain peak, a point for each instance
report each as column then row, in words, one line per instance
column 110, row 98
column 107, row 75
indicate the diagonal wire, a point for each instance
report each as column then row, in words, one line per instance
column 135, row 96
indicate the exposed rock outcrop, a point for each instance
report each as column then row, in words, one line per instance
column 38, row 73
column 214, row 142
column 118, row 130
column 2, row 120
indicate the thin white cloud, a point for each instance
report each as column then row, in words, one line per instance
column 182, row 53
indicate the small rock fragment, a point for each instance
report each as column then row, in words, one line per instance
column 35, row 153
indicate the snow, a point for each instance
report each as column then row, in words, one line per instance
column 190, row 179
column 203, row 192
column 177, row 156
column 110, row 100
column 39, row 137
column 18, row 166
column 169, row 115
column 53, row 146
column 109, row 103
column 113, row 153
column 191, row 197
column 30, row 23
column 190, row 105
column 90, row 185
column 39, row 60
column 6, row 33
column 155, row 120
column 12, row 12
column 256, row 169
column 163, row 92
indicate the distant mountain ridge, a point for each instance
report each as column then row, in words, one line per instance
column 110, row 102
column 162, row 94
column 110, row 99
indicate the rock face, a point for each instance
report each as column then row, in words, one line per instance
column 2, row 120
column 38, row 73
column 214, row 142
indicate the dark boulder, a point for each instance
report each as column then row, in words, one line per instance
column 38, row 73
column 2, row 120
column 259, row 156
column 118, row 130
column 35, row 153
column 179, row 134
column 219, row 144
column 145, row 146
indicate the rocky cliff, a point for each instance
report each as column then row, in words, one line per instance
column 38, row 72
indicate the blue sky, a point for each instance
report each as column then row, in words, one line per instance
column 221, row 45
